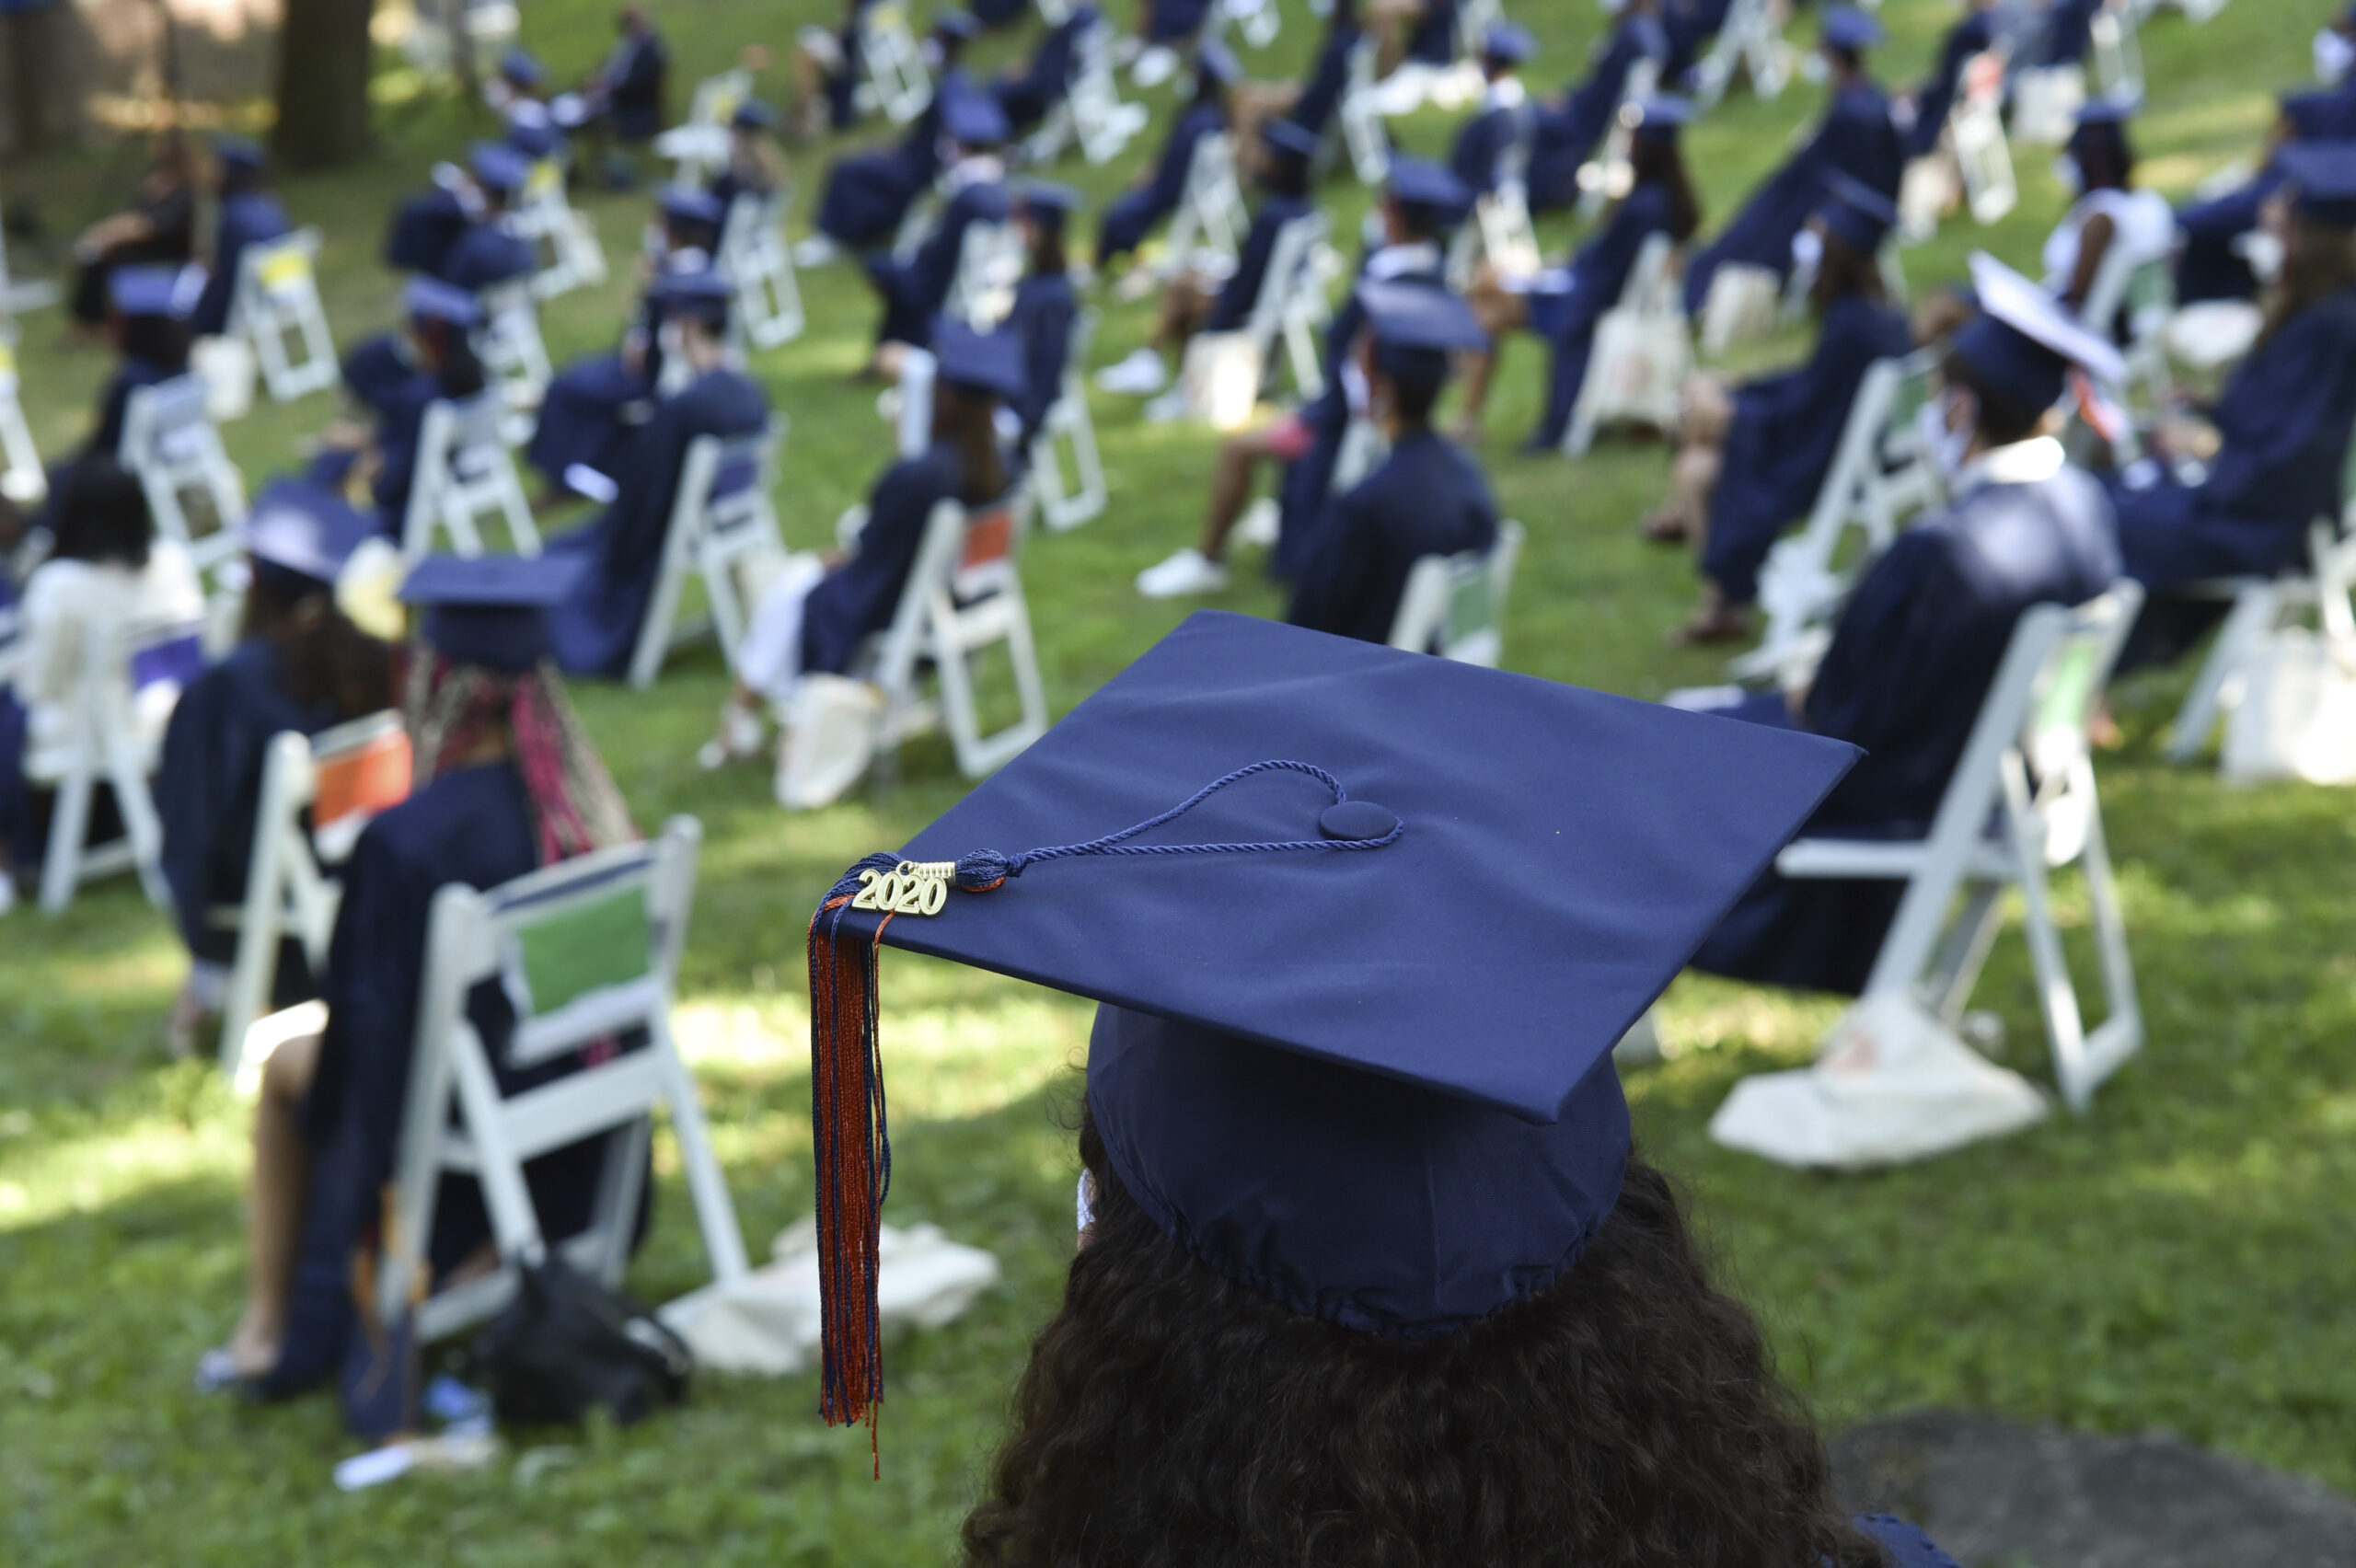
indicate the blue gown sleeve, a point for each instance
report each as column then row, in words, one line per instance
column 1242, row 289
column 1877, row 669
column 641, row 514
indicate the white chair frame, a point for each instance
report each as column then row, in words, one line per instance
column 1983, row 155
column 1650, row 295
column 2118, row 55
column 896, row 80
column 572, row 256
column 1068, row 422
column 2260, row 605
column 2021, row 805
column 989, row 265
column 1610, row 174
column 108, row 748
column 1292, row 304
column 274, row 306
column 758, row 263
column 456, row 1120
column 171, row 443
column 1092, row 114
column 515, row 356
column 1439, row 586
column 1751, row 38
column 698, row 146
column 465, row 473
column 716, row 537
column 1363, row 133
column 1208, row 227
column 21, row 467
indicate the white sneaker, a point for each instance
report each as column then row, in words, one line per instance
column 815, row 251
column 1188, row 572
column 741, row 735
column 1170, row 405
column 1260, row 522
column 1155, row 66
column 1139, row 375
column 7, row 892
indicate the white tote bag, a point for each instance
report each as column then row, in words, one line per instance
column 1741, row 305
column 2298, row 718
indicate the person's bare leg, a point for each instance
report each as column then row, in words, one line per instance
column 809, row 96
column 1232, row 474
column 274, row 1204
column 1705, row 412
column 1499, row 311
column 1185, row 303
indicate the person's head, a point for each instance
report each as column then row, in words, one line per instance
column 298, row 538
column 147, row 313
column 171, row 159
column 1216, row 73
column 692, row 218
column 497, row 173
column 1288, row 154
column 1850, row 226
column 2007, row 368
column 975, row 123
column 1422, row 201
column 99, row 514
column 630, row 21
column 440, row 322
column 521, row 73
column 977, row 373
column 1505, row 48
column 1413, row 331
column 1848, row 34
column 1656, row 157
column 2100, row 156
column 945, row 41
column 1045, row 211
column 2314, row 219
column 239, row 165
column 694, row 308
column 752, row 126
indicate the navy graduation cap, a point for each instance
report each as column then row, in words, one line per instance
column 431, row 299
column 754, row 114
column 522, row 67
column 1216, row 63
column 701, row 292
column 499, row 167
column 957, row 24
column 1419, row 182
column 1047, row 203
column 240, row 154
column 987, row 362
column 974, row 118
column 490, row 610
column 1416, row 329
column 1855, row 210
column 690, row 205
column 2323, row 176
column 1847, row 27
column 1663, row 115
column 1508, row 42
column 303, row 533
column 2023, row 342
column 1365, row 926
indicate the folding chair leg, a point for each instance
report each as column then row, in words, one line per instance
column 2057, row 994
column 1963, row 951
column 69, row 824
column 2217, row 689
column 723, row 1239
column 2125, row 1016
column 621, row 1183
column 514, row 1223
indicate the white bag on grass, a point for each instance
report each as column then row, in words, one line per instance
column 2297, row 719
column 1741, row 305
column 830, row 740
column 225, row 365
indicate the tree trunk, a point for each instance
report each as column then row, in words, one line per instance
column 29, row 43
column 323, row 59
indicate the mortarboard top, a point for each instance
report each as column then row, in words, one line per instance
column 974, row 117
column 1216, row 63
column 959, row 25
column 1419, row 182
column 701, row 292
column 237, row 152
column 988, row 361
column 2324, row 175
column 490, row 610
column 498, row 167
column 1415, row 329
column 1663, row 114
column 168, row 294
column 532, row 134
column 2115, row 111
column 301, row 529
column 522, row 67
column 688, row 204
column 754, row 114
column 1047, row 203
column 1290, row 138
column 1847, row 27
column 1859, row 215
column 1507, row 41
column 1372, row 1084
column 2023, row 342
column 431, row 299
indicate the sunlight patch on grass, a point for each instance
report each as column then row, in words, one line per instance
column 129, row 1160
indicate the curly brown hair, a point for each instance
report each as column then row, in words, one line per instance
column 1626, row 1417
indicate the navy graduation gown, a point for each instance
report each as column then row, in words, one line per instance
column 1785, row 430
column 868, row 193
column 1433, row 40
column 1567, row 320
column 2206, row 266
column 1131, row 216
column 594, row 631
column 485, row 254
column 1328, row 79
column 249, row 217
column 581, row 418
column 1935, row 101
column 857, row 598
column 2068, row 32
column 1856, row 138
column 470, row 826
column 115, row 401
column 1911, row 660
column 1044, row 81
column 2285, row 419
column 1046, row 308
column 915, row 291
column 1690, row 26
column 634, row 93
column 1479, row 152
column 1427, row 498
column 1565, row 133
column 423, row 229
column 1172, row 22
column 208, row 788
column 375, row 369
column 1240, row 293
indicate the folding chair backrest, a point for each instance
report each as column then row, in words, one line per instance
column 464, row 474
column 989, row 265
column 2118, row 57
column 1209, row 210
column 895, row 71
column 131, row 675
column 358, row 769
column 1650, row 290
column 1610, row 175
column 21, row 478
column 1454, row 606
column 170, row 441
column 1290, row 269
column 986, row 550
column 717, row 99
column 509, row 339
column 722, row 522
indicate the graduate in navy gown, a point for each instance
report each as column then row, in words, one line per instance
column 1133, row 214
column 1752, row 461
column 1563, row 305
column 1413, row 32
column 755, row 170
column 395, row 377
column 1031, row 92
column 593, row 629
column 1569, row 129
column 2210, row 263
column 248, row 214
column 2276, row 459
column 814, row 614
column 1046, row 307
column 1919, row 642
column 158, row 229
column 915, row 291
column 1494, row 146
column 625, row 93
column 1328, row 76
column 147, row 319
column 2068, row 33
column 1691, row 27
column 459, row 232
column 868, row 194
column 299, row 665
column 1420, row 204
column 507, row 783
column 1857, row 137
column 1426, row 497
column 592, row 406
column 1924, row 113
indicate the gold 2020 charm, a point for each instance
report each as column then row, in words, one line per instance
column 913, row 887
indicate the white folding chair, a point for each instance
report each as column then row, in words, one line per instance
column 316, row 795
column 1976, row 130
column 2118, row 55
column 17, row 296
column 587, row 950
column 1642, row 351
column 1608, row 175
column 962, row 597
column 129, row 678
column 759, row 264
column 723, row 528
column 898, row 82
column 1361, row 119
column 275, row 307
column 1256, row 20
column 1750, row 40
column 1226, row 373
column 514, row 354
column 1455, row 606
column 22, row 479
column 1065, row 506
column 1091, row 113
column 169, row 443
column 2149, row 299
column 2260, row 605
column 571, row 255
column 465, row 474
column 698, row 146
column 2020, row 806
column 989, row 265
column 1211, row 220
column 1881, row 476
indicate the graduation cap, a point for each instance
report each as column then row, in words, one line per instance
column 237, row 152
column 1047, row 203
column 167, row 293
column 1432, row 189
column 1508, row 42
column 1365, row 926
column 1850, row 29
column 498, row 167
column 1415, row 328
column 490, row 610
column 522, row 67
column 303, row 532
column 985, row 362
column 1290, row 139
column 532, row 134
column 431, row 299
column 1214, row 62
column 974, row 118
column 689, row 204
column 1663, row 115
column 752, row 114
column 2323, row 176
column 959, row 25
column 701, row 293
column 2023, row 341
column 1859, row 215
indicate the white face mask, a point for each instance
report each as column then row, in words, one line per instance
column 1086, row 1215
column 1807, row 250
column 2335, row 57
column 2264, row 254
column 1939, row 422
column 2072, row 178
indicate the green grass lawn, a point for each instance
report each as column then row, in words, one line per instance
column 2183, row 1257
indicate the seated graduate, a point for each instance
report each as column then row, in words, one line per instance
column 147, row 318
column 916, row 290
column 755, row 168
column 594, row 627
column 624, row 94
column 1165, row 30
column 249, row 214
column 1919, row 643
column 1317, row 95
column 2211, row 263
column 1192, row 302
column 158, row 229
column 1494, row 144
column 1155, row 194
column 815, row 613
column 1923, row 114
column 300, row 665
column 1029, row 92
column 1692, row 25
column 1046, row 307
column 517, row 91
column 1413, row 32
column 1751, row 459
column 868, row 194
column 395, row 377
column 1370, row 1268
column 1426, row 497
column 828, row 69
column 592, row 405
column 106, row 568
column 2110, row 216
column 507, row 783
column 460, row 231
column 2276, row 451
column 1569, row 130
column 1420, row 204
column 1563, row 305
column 2067, row 32
column 1855, row 137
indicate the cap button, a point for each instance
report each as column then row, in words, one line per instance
column 1355, row 821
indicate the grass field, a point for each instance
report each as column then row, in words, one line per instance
column 2181, row 1258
